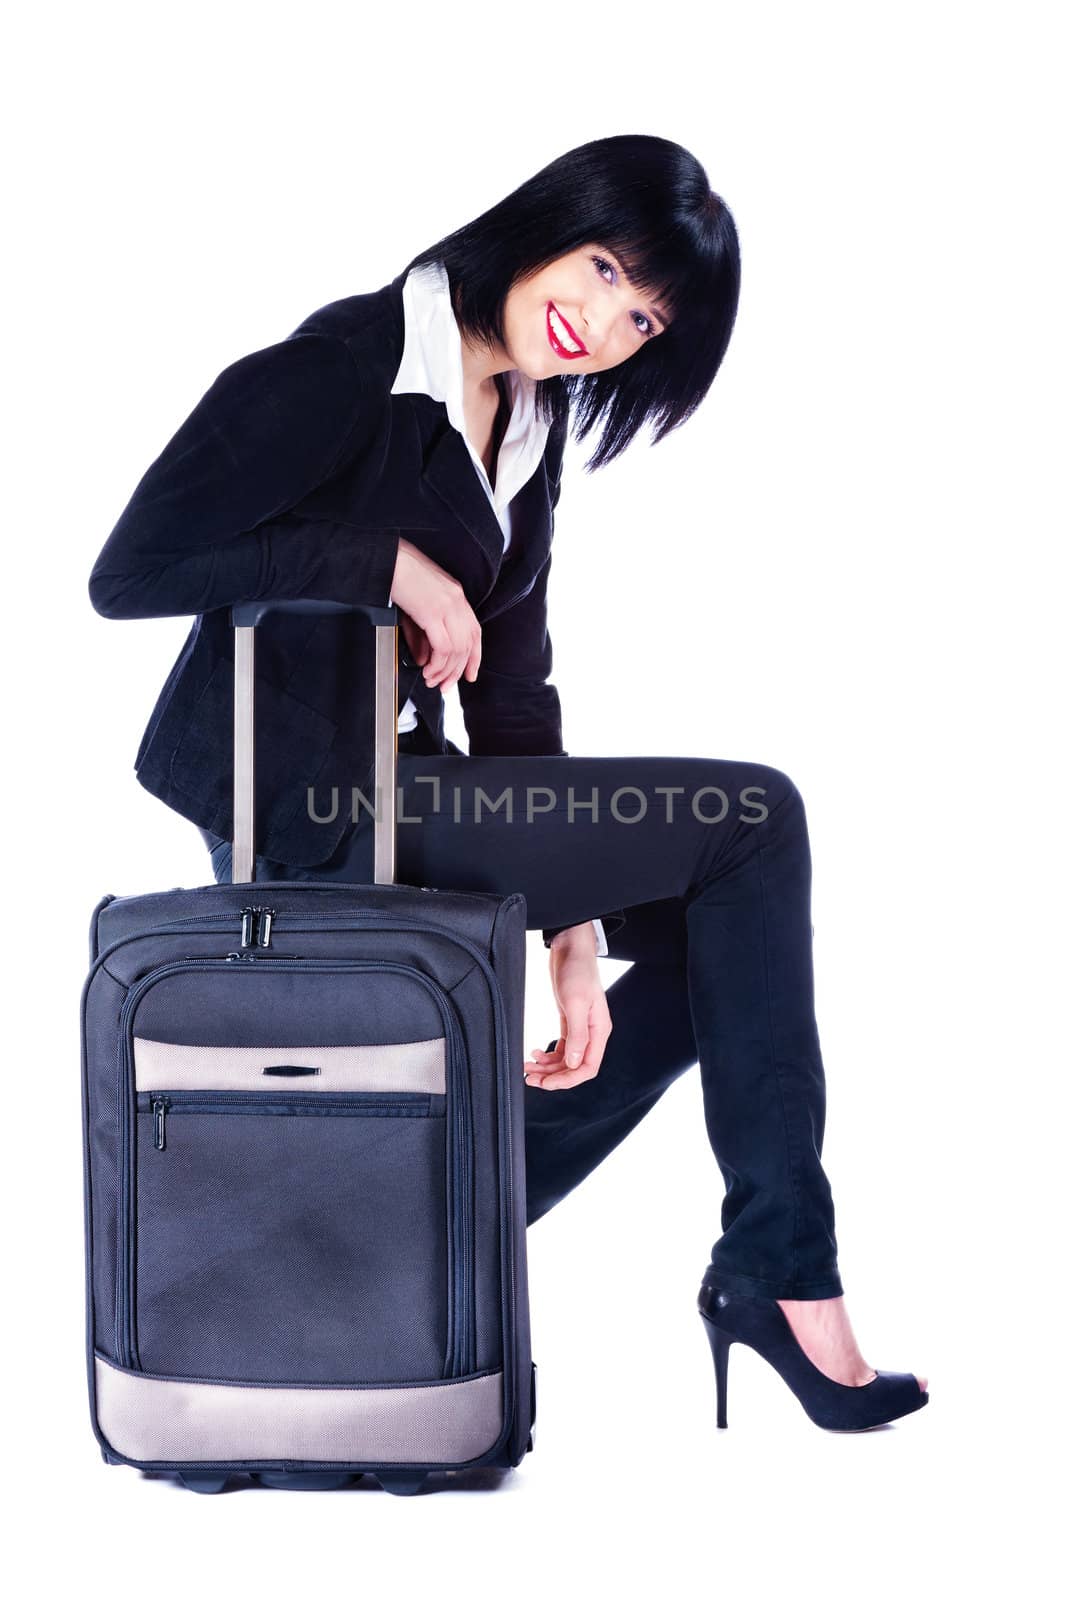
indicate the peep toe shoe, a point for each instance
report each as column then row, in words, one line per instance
column 731, row 1318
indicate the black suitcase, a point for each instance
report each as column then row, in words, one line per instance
column 305, row 1203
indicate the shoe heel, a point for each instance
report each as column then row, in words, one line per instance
column 762, row 1324
column 720, row 1354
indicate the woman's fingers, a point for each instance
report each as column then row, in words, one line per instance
column 577, row 1035
column 438, row 605
column 475, row 659
column 441, row 650
column 591, row 1023
column 445, row 662
column 454, row 641
column 586, row 1066
column 541, row 1061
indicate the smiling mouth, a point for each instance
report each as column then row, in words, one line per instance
column 562, row 337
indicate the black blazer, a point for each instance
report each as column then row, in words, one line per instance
column 295, row 475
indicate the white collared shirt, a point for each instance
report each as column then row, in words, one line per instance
column 432, row 364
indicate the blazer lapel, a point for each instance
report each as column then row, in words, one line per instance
column 531, row 539
column 449, row 474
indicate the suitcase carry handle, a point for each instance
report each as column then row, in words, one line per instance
column 245, row 619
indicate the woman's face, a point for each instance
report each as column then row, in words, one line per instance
column 579, row 300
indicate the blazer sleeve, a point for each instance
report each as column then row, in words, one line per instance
column 210, row 524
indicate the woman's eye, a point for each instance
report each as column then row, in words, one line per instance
column 648, row 330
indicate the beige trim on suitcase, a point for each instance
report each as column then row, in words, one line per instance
column 417, row 1068
column 173, row 1420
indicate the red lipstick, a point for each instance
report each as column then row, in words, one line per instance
column 561, row 350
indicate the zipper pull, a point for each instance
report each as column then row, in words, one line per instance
column 159, row 1108
column 256, row 923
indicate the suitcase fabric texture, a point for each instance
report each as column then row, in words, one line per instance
column 305, row 1202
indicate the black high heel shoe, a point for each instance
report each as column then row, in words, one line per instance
column 732, row 1318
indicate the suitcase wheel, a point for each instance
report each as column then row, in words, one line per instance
column 204, row 1482
column 306, row 1480
column 401, row 1482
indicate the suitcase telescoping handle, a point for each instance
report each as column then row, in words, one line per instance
column 244, row 619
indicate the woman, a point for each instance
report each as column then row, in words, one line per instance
column 405, row 446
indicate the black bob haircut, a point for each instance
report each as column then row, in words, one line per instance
column 649, row 202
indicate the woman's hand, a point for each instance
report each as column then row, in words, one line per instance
column 584, row 1019
column 443, row 634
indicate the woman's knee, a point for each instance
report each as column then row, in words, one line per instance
column 755, row 789
column 778, row 787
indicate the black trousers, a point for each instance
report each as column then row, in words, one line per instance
column 709, row 863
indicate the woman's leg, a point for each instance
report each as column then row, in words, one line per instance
column 726, row 841
column 568, row 1134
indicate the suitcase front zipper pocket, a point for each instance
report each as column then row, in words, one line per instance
column 267, row 1105
column 293, row 1234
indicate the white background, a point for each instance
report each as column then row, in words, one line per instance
column 853, row 546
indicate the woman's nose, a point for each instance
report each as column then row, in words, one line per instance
column 590, row 330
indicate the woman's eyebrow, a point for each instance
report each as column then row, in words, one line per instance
column 659, row 314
